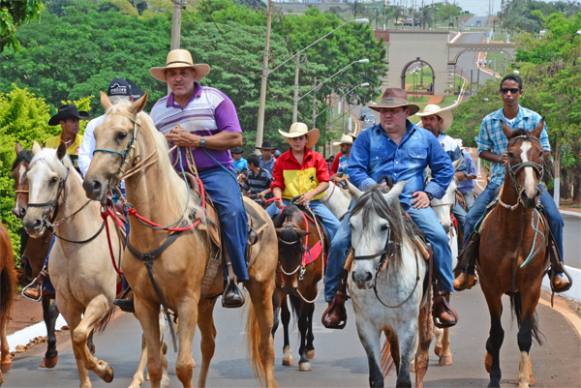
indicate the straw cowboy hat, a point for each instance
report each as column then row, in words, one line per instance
column 67, row 112
column 345, row 139
column 435, row 110
column 180, row 58
column 266, row 145
column 301, row 129
column 394, row 98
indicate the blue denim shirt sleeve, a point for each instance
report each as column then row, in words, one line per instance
column 358, row 165
column 441, row 167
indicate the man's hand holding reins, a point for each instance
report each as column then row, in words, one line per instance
column 420, row 200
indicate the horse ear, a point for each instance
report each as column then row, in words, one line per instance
column 18, row 148
column 538, row 129
column 507, row 131
column 36, row 148
column 61, row 151
column 353, row 190
column 138, row 105
column 105, row 101
column 393, row 194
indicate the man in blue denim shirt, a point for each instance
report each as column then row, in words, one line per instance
column 398, row 150
column 492, row 146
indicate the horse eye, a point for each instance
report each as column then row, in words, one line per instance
column 383, row 228
column 53, row 180
column 121, row 136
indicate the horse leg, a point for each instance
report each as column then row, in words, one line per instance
column 304, row 310
column 406, row 335
column 139, row 375
column 259, row 322
column 5, row 357
column 188, row 314
column 528, row 328
column 50, row 314
column 208, row 340
column 148, row 316
column 369, row 337
column 96, row 311
column 495, row 338
column 287, row 356
column 310, row 335
column 425, row 338
column 276, row 312
column 72, row 315
column 446, row 354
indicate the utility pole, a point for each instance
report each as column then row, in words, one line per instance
column 315, row 105
column 296, row 89
column 264, row 79
column 176, row 23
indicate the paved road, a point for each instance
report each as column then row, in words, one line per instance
column 340, row 359
column 572, row 239
column 467, row 61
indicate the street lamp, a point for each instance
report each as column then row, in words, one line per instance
column 266, row 71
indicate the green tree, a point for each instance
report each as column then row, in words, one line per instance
column 12, row 15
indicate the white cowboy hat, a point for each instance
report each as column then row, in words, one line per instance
column 179, row 58
column 345, row 139
column 444, row 113
column 301, row 129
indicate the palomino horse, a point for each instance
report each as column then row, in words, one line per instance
column 130, row 146
column 80, row 262
column 7, row 289
column 301, row 250
column 385, row 283
column 512, row 256
column 33, row 253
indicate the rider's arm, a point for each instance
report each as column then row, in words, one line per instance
column 87, row 147
column 358, row 165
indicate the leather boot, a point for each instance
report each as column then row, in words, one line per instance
column 335, row 315
column 465, row 276
column 34, row 290
column 560, row 279
column 125, row 303
column 233, row 296
column 444, row 315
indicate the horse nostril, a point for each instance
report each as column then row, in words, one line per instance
column 92, row 186
column 368, row 276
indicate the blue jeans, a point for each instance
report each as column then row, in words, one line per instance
column 460, row 215
column 47, row 286
column 222, row 187
column 328, row 219
column 549, row 209
column 428, row 223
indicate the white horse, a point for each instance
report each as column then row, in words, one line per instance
column 385, row 283
column 80, row 264
column 338, row 197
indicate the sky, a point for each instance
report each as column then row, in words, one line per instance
column 477, row 7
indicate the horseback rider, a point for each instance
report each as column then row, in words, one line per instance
column 339, row 165
column 302, row 173
column 204, row 119
column 399, row 150
column 492, row 146
column 438, row 120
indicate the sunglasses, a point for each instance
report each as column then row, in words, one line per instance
column 512, row 90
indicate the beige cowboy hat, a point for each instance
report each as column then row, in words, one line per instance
column 180, row 58
column 301, row 129
column 435, row 110
column 394, row 98
column 345, row 139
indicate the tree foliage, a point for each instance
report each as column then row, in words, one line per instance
column 527, row 15
column 12, row 15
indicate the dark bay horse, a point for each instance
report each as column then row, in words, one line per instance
column 301, row 246
column 33, row 252
column 513, row 251
column 7, row 289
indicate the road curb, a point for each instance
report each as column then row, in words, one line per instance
column 560, row 305
column 23, row 337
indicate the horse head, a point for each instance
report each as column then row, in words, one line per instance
column 19, row 170
column 376, row 227
column 291, row 232
column 115, row 146
column 47, row 176
column 525, row 165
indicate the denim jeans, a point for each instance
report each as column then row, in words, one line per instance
column 460, row 215
column 328, row 219
column 549, row 209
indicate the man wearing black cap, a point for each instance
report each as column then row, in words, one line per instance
column 68, row 116
column 119, row 89
column 267, row 160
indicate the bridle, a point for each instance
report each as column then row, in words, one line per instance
column 53, row 204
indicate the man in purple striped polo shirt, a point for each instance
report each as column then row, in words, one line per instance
column 204, row 119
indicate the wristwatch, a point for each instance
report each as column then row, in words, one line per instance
column 202, row 143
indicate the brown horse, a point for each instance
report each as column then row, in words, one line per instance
column 7, row 289
column 132, row 148
column 513, row 251
column 33, row 252
column 301, row 266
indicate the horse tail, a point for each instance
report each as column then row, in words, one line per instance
column 253, row 337
column 7, row 275
column 102, row 323
column 516, row 304
column 295, row 306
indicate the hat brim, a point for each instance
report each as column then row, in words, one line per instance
column 338, row 143
column 379, row 106
column 266, row 148
column 56, row 119
column 312, row 136
column 201, row 69
column 445, row 114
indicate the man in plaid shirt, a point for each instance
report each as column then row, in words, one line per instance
column 492, row 146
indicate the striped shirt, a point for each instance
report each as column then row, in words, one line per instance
column 491, row 137
column 259, row 182
column 207, row 113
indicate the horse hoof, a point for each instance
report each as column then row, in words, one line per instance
column 445, row 360
column 49, row 362
column 305, row 366
column 311, row 354
column 287, row 361
column 108, row 374
column 438, row 350
column 488, row 362
column 5, row 366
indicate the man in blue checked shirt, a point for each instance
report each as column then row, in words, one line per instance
column 492, row 146
column 397, row 149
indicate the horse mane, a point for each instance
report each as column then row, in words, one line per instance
column 22, row 156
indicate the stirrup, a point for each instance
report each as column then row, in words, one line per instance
column 35, row 283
